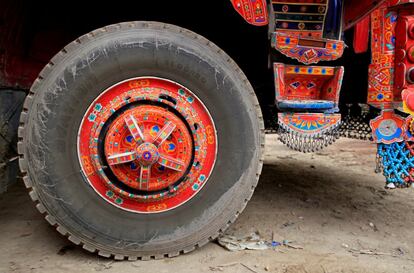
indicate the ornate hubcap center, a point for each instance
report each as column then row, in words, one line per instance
column 147, row 145
column 148, row 148
column 147, row 154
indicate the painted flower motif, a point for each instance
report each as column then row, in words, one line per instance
column 98, row 107
column 92, row 117
column 154, row 131
column 308, row 122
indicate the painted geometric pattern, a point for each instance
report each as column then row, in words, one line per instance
column 309, row 70
column 380, row 85
column 290, row 46
column 307, row 82
column 383, row 24
column 303, row 87
column 253, row 11
column 303, row 34
column 309, row 123
column 381, row 70
column 300, row 15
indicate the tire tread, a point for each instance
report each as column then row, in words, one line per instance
column 59, row 57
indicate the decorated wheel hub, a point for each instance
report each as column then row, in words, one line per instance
column 147, row 145
column 163, row 144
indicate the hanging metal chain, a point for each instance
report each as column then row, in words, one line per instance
column 355, row 121
column 308, row 143
column 354, row 124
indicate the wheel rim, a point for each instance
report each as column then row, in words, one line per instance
column 147, row 145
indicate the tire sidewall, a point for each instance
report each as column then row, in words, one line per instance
column 80, row 77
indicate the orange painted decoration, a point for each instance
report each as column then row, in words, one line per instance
column 253, row 11
column 296, row 82
column 147, row 145
column 381, row 69
column 404, row 58
column 309, row 123
column 291, row 47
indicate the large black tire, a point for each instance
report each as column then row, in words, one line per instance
column 76, row 76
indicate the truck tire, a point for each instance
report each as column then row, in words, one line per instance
column 141, row 140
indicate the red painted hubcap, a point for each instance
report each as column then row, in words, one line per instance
column 147, row 145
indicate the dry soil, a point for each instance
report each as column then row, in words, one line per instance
column 330, row 205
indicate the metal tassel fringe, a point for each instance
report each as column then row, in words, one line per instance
column 308, row 143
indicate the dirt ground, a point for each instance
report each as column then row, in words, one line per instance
column 330, row 205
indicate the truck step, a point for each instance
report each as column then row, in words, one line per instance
column 307, row 88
